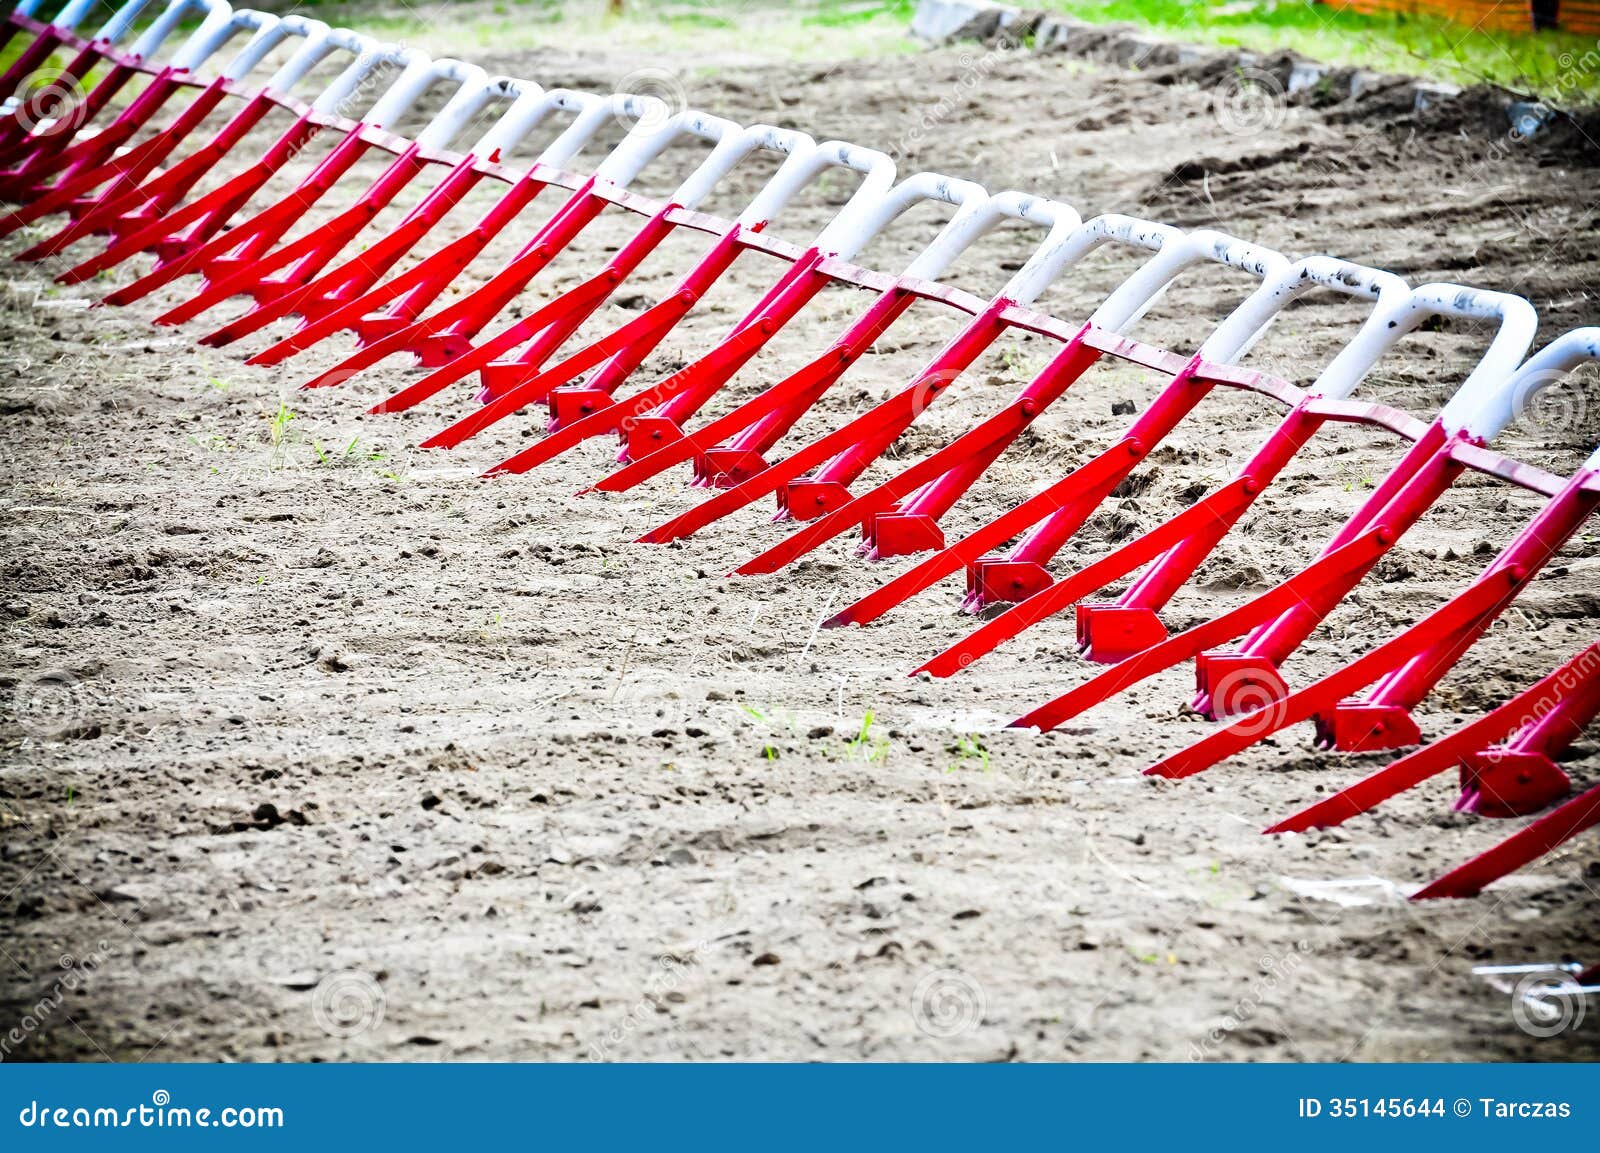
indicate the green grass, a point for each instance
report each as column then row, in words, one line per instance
column 1559, row 67
column 820, row 30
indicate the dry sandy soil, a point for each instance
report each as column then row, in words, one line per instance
column 324, row 749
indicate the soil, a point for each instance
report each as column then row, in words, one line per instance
column 317, row 747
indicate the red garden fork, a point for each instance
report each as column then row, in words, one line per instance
column 174, row 233
column 1506, row 758
column 731, row 448
column 845, row 453
column 73, row 150
column 1113, row 631
column 270, row 275
column 390, row 312
column 900, row 515
column 448, row 334
column 1074, row 498
column 1404, row 669
column 60, row 30
column 104, row 163
column 1288, row 613
column 239, row 250
column 653, row 414
column 57, row 108
column 514, row 382
column 351, row 281
column 132, row 192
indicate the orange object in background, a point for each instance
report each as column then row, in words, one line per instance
column 1581, row 16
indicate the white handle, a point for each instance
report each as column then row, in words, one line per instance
column 370, row 56
column 976, row 219
column 321, row 42
column 653, row 130
column 1544, row 368
column 849, row 231
column 1393, row 320
column 1054, row 253
column 529, row 105
column 1065, row 247
column 217, row 13
column 207, row 40
column 1247, row 323
column 1176, row 251
column 1487, row 400
column 589, row 116
column 920, row 188
column 113, row 30
column 732, row 150
column 262, row 44
column 472, row 93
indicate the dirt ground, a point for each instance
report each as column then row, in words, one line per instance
column 317, row 747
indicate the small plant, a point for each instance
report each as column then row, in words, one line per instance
column 280, row 433
column 969, row 748
column 353, row 453
column 1013, row 361
column 864, row 746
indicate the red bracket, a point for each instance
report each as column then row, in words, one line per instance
column 808, row 499
column 646, row 434
column 890, row 534
column 1358, row 727
column 1235, row 682
column 572, row 403
column 994, row 579
column 1502, row 782
column 1109, row 632
column 722, row 467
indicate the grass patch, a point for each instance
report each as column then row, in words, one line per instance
column 819, row 30
column 1562, row 68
